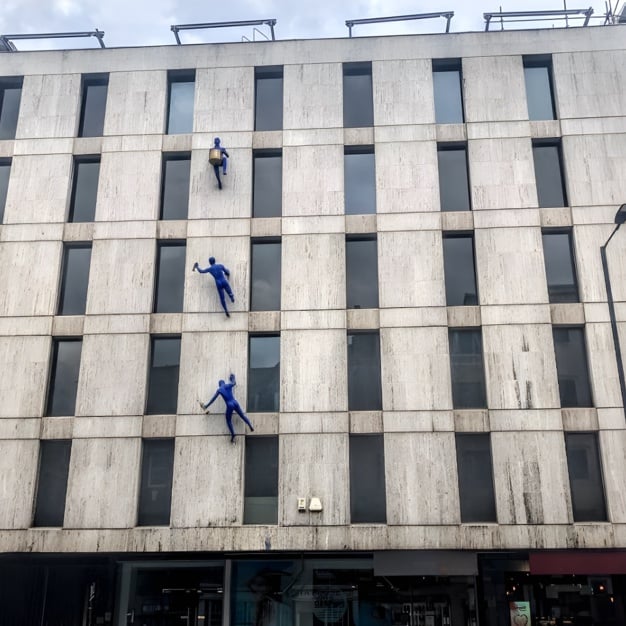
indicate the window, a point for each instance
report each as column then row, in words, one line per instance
column 473, row 457
column 64, row 372
column 170, row 278
column 267, row 199
column 181, row 87
column 539, row 91
column 466, row 368
column 585, row 477
column 10, row 96
column 358, row 102
column 163, row 378
column 268, row 98
column 460, row 274
column 560, row 271
column 264, row 373
column 571, row 366
column 453, row 177
column 93, row 106
column 265, row 275
column 361, row 272
column 84, row 189
column 175, row 186
column 447, row 91
column 549, row 173
column 359, row 180
column 367, row 479
column 260, row 503
column 155, row 496
column 5, row 172
column 364, row 389
column 54, row 465
column 76, row 261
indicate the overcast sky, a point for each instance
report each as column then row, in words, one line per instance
column 147, row 22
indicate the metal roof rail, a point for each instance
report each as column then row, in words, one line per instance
column 7, row 45
column 537, row 16
column 401, row 18
column 176, row 29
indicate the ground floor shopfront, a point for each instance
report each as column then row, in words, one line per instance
column 413, row 588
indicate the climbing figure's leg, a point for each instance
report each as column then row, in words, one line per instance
column 243, row 417
column 216, row 169
column 229, row 291
column 220, row 291
column 229, row 423
column 224, row 165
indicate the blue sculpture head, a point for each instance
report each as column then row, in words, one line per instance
column 216, row 142
column 212, row 260
column 221, row 383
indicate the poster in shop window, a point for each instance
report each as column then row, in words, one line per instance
column 520, row 613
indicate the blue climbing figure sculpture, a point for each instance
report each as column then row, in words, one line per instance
column 225, row 389
column 219, row 273
column 218, row 156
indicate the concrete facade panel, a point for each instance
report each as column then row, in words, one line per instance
column 18, row 471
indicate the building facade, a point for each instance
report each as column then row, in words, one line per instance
column 420, row 332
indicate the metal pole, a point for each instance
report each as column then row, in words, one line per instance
column 614, row 329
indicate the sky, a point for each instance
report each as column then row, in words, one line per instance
column 147, row 22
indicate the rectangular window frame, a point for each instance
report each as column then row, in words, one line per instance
column 263, row 154
column 156, row 307
column 53, row 375
column 449, row 65
column 87, row 81
column 347, row 188
column 461, row 234
column 145, row 518
column 353, row 393
column 359, row 68
column 173, row 77
column 46, row 446
column 77, row 162
column 569, row 232
column 541, row 60
column 10, row 82
column 256, row 241
column 67, row 246
column 360, row 489
column 585, row 361
column 556, row 143
column 149, row 410
column 249, row 395
column 166, row 158
column 456, row 400
column 261, row 73
column 355, row 239
column 4, row 191
column 270, row 517
column 454, row 146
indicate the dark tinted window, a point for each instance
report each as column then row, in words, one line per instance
column 367, row 479
column 359, row 176
column 358, row 103
column 181, row 88
column 267, row 198
column 264, row 373
column 170, row 279
column 473, row 457
column 549, row 174
column 175, row 187
column 163, row 379
column 155, row 496
column 260, row 504
column 362, row 272
column 571, row 367
column 10, row 96
column 54, row 464
column 76, row 260
column 268, row 98
column 447, row 91
column 94, row 103
column 64, row 371
column 265, row 276
column 84, row 189
column 559, row 259
column 5, row 172
column 466, row 368
column 453, row 179
column 458, row 260
column 364, row 390
column 539, row 94
column 585, row 477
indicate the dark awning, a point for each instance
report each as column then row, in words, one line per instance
column 578, row 562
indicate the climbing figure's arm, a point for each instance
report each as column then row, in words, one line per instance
column 212, row 400
column 199, row 269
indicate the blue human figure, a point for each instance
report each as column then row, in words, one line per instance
column 225, row 389
column 219, row 273
column 223, row 161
